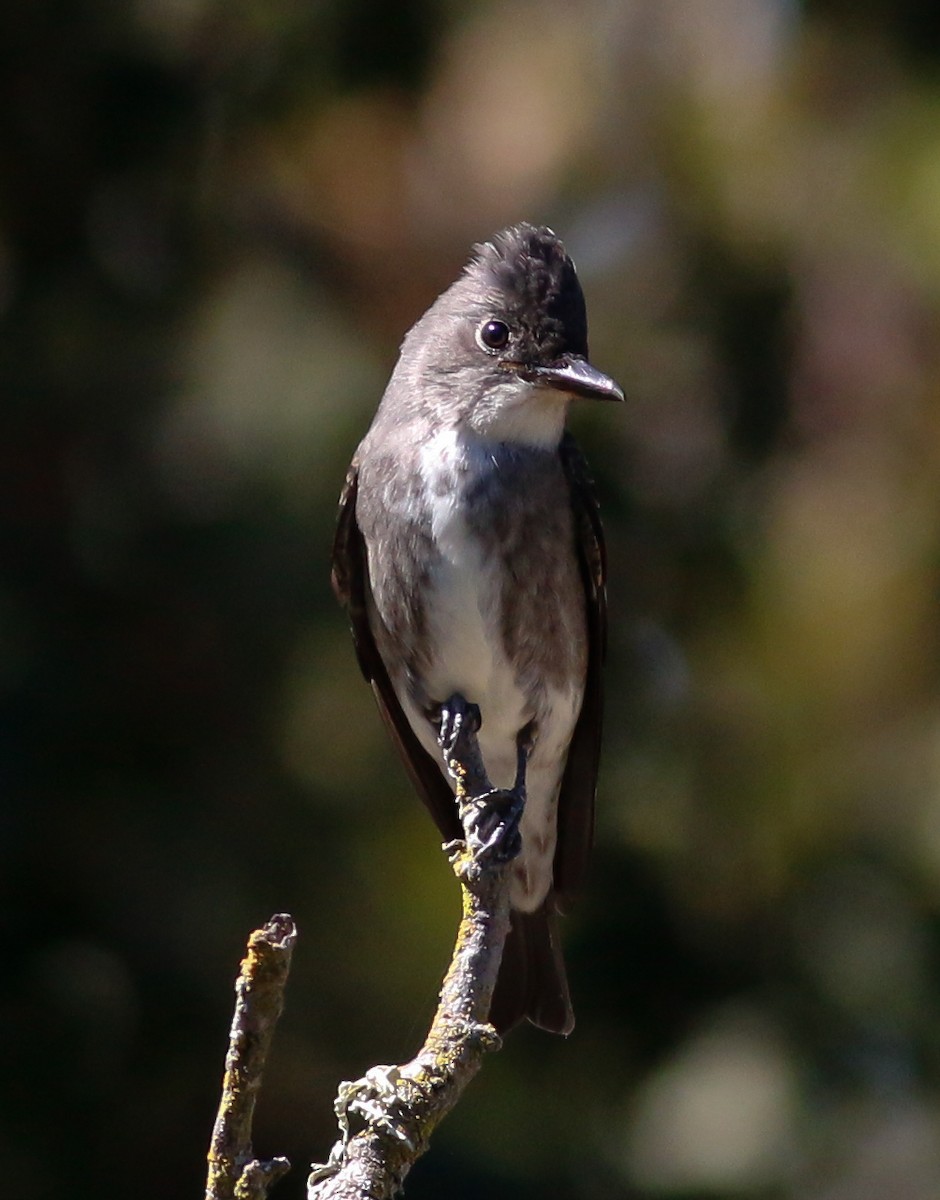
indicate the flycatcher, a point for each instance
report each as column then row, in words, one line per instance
column 470, row 557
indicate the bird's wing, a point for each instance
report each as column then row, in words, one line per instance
column 351, row 585
column 579, row 783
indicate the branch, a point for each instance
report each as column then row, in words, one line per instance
column 234, row 1173
column 400, row 1106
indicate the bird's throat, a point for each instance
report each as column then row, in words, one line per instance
column 520, row 414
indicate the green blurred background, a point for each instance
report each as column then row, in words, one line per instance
column 216, row 222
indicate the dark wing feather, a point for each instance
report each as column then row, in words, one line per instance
column 576, row 800
column 532, row 983
column 351, row 583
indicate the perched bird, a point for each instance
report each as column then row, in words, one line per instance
column 470, row 557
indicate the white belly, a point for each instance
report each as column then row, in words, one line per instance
column 463, row 612
column 464, row 624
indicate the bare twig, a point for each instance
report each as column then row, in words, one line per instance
column 234, row 1173
column 396, row 1109
column 400, row 1107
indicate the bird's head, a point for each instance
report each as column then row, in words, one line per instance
column 504, row 349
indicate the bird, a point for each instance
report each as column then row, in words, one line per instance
column 470, row 558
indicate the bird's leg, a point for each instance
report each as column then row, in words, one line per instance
column 525, row 742
column 493, row 823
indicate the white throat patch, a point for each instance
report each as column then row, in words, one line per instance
column 521, row 413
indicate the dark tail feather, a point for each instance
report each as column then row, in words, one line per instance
column 532, row 981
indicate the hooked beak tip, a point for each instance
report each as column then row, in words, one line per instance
column 577, row 377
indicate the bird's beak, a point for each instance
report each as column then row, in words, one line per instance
column 574, row 375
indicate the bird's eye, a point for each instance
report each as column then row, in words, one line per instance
column 494, row 334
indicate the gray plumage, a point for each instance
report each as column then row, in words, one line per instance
column 470, row 557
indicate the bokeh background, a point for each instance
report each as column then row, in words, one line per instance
column 216, row 222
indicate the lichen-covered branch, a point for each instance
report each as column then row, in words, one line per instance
column 234, row 1173
column 395, row 1109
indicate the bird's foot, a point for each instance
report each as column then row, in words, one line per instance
column 458, row 722
column 491, row 825
column 455, row 719
column 490, row 816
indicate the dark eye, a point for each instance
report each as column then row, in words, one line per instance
column 494, row 334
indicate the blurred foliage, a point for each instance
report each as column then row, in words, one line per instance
column 216, row 222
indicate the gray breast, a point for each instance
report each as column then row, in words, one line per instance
column 521, row 512
column 516, row 504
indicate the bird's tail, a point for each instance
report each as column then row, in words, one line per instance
column 532, row 983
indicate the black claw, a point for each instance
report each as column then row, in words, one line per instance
column 455, row 716
column 491, row 822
